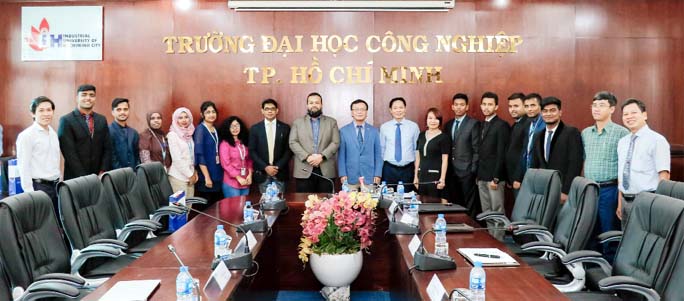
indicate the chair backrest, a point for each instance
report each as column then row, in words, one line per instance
column 153, row 176
column 5, row 284
column 650, row 234
column 86, row 213
column 32, row 243
column 539, row 197
column 577, row 217
column 671, row 188
column 126, row 195
column 671, row 277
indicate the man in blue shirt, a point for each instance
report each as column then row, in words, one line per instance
column 360, row 152
column 398, row 139
column 124, row 138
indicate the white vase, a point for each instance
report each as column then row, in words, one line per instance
column 336, row 269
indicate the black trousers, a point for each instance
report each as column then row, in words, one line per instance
column 462, row 191
column 392, row 174
column 51, row 189
column 314, row 184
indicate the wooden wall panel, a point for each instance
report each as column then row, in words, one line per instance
column 571, row 50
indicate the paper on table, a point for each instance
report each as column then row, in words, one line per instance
column 503, row 260
column 436, row 290
column 135, row 290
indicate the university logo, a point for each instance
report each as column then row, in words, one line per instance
column 41, row 39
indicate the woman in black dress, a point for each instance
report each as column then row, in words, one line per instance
column 432, row 157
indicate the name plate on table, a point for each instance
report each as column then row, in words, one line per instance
column 414, row 244
column 250, row 239
column 436, row 290
column 408, row 219
column 219, row 277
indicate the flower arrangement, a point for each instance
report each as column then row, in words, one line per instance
column 343, row 224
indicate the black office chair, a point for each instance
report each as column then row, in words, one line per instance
column 671, row 188
column 126, row 195
column 88, row 219
column 537, row 204
column 653, row 234
column 574, row 225
column 153, row 175
column 34, row 254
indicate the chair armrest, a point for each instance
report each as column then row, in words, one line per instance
column 113, row 243
column 166, row 211
column 540, row 231
column 626, row 283
column 39, row 291
column 587, row 256
column 610, row 236
column 494, row 216
column 545, row 246
column 62, row 278
column 196, row 200
column 79, row 257
column 138, row 225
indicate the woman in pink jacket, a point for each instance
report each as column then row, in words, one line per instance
column 235, row 160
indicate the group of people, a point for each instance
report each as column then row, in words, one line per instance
column 464, row 160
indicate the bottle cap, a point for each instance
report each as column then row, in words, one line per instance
column 248, row 203
column 440, row 215
column 219, row 227
column 401, row 182
column 478, row 264
column 184, row 269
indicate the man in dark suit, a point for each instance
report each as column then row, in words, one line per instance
column 532, row 103
column 516, row 142
column 465, row 140
column 491, row 172
column 268, row 148
column 84, row 137
column 559, row 146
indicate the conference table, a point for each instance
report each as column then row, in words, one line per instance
column 386, row 266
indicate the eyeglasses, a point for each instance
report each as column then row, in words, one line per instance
column 270, row 109
column 234, row 127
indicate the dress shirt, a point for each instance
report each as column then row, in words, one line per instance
column 457, row 124
column 315, row 130
column 548, row 137
column 38, row 155
column 233, row 159
column 650, row 156
column 409, row 137
column 271, row 128
column 600, row 150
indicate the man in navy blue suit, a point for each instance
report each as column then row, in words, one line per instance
column 360, row 153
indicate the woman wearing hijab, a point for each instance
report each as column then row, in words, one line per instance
column 207, row 155
column 153, row 145
column 235, row 160
column 182, row 174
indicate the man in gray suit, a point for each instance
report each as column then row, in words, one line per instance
column 465, row 140
column 314, row 140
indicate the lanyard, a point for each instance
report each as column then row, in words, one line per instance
column 161, row 144
column 243, row 153
column 215, row 138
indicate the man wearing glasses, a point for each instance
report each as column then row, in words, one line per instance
column 360, row 152
column 268, row 148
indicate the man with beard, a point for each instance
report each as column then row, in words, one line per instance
column 124, row 139
column 518, row 133
column 314, row 141
column 532, row 103
column 84, row 137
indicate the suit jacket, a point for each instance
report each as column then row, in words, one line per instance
column 356, row 160
column 301, row 144
column 83, row 154
column 464, row 148
column 566, row 155
column 515, row 148
column 540, row 125
column 492, row 149
column 258, row 151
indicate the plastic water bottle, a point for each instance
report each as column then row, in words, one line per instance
column 399, row 195
column 345, row 186
column 248, row 213
column 220, row 242
column 275, row 192
column 478, row 282
column 441, row 244
column 383, row 187
column 413, row 213
column 268, row 196
column 184, row 286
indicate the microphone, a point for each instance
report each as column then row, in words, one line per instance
column 399, row 227
column 424, row 261
column 243, row 260
column 321, row 176
column 173, row 251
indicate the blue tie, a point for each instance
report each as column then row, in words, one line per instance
column 548, row 145
column 628, row 163
column 397, row 144
column 359, row 134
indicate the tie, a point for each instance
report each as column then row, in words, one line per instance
column 359, row 134
column 484, row 129
column 91, row 124
column 548, row 145
column 270, row 138
column 628, row 163
column 397, row 143
column 454, row 130
column 530, row 139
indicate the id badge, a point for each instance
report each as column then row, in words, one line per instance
column 217, row 160
column 243, row 172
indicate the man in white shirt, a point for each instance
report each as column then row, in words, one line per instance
column 38, row 152
column 643, row 158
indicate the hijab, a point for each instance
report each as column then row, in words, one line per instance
column 159, row 132
column 183, row 133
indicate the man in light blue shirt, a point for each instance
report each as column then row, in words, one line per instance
column 643, row 158
column 360, row 153
column 398, row 139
